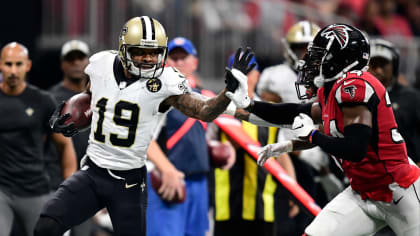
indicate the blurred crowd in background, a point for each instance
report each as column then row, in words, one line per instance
column 217, row 27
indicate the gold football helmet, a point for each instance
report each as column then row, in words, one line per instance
column 146, row 33
column 298, row 37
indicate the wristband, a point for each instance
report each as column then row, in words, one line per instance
column 312, row 134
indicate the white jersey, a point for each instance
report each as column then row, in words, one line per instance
column 279, row 79
column 124, row 118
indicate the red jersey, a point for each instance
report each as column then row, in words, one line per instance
column 386, row 160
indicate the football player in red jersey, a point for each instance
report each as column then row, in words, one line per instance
column 359, row 131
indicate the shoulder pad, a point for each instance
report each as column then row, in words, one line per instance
column 98, row 58
column 351, row 75
column 356, row 74
column 354, row 90
column 175, row 82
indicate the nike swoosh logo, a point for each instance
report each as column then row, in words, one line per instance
column 399, row 199
column 348, row 82
column 300, row 126
column 130, row 185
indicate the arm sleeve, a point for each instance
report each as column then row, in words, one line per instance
column 352, row 147
column 279, row 113
column 260, row 122
column 95, row 62
column 176, row 83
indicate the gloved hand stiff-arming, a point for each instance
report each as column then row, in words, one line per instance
column 241, row 62
column 240, row 97
column 236, row 79
column 302, row 126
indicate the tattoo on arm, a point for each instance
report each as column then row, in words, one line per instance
column 197, row 106
column 242, row 114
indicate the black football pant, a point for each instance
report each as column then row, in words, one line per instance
column 89, row 190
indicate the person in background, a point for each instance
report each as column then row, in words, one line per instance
column 245, row 197
column 25, row 109
column 277, row 83
column 74, row 59
column 184, row 57
column 384, row 63
column 182, row 158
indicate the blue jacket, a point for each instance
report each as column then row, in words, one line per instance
column 190, row 153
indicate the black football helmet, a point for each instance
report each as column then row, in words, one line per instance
column 335, row 50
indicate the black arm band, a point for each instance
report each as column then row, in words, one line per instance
column 352, row 147
column 279, row 113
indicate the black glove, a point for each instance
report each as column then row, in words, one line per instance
column 241, row 63
column 57, row 122
column 231, row 83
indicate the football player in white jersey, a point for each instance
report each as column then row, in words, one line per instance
column 131, row 90
column 277, row 83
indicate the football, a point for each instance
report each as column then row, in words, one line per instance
column 219, row 153
column 156, row 181
column 79, row 108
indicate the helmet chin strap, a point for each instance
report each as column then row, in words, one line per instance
column 143, row 73
column 319, row 80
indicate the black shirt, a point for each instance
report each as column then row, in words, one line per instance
column 406, row 106
column 80, row 141
column 23, row 128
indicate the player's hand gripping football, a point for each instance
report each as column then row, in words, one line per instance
column 303, row 125
column 236, row 80
column 273, row 150
column 57, row 122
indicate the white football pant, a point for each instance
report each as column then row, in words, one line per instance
column 348, row 215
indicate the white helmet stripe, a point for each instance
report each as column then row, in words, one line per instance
column 148, row 23
column 306, row 27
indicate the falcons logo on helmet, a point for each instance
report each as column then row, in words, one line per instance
column 339, row 32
